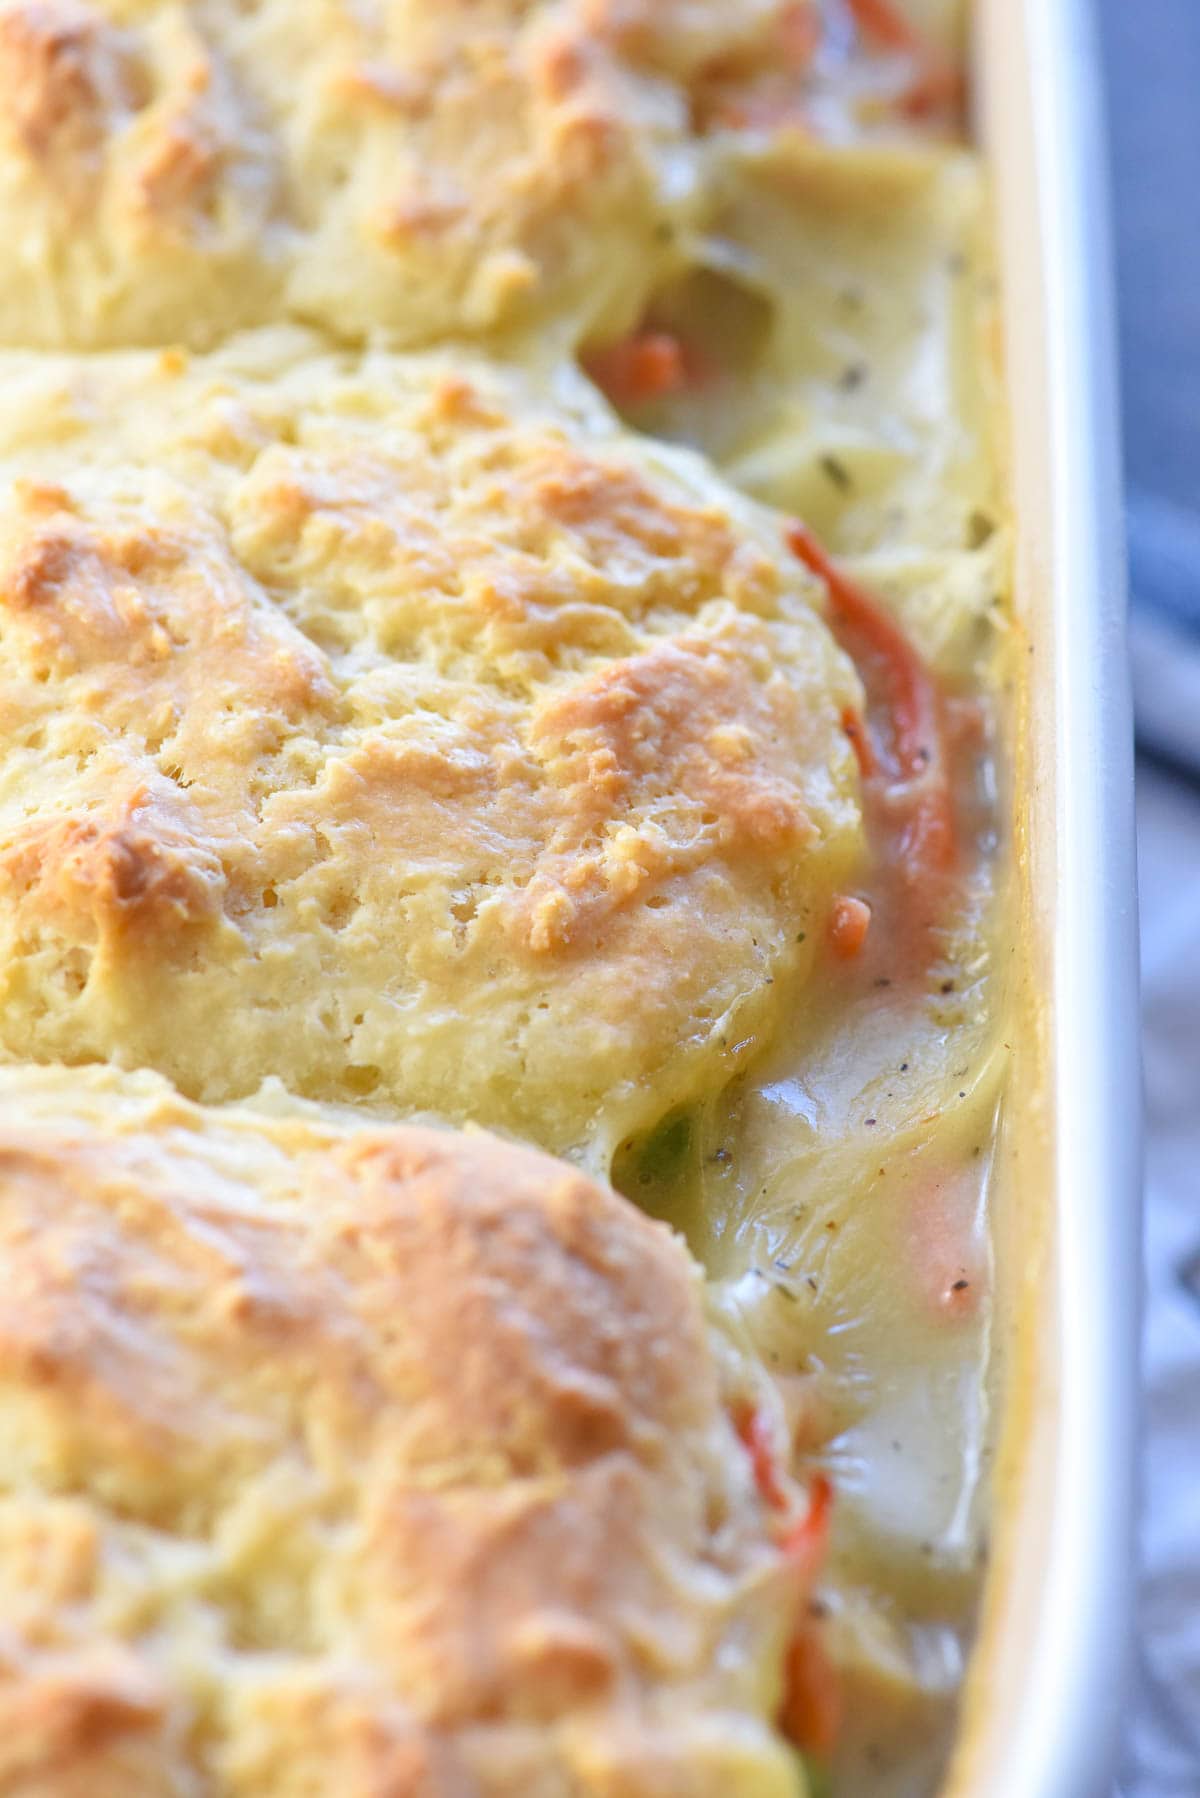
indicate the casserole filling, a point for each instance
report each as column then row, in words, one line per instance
column 830, row 348
column 503, row 599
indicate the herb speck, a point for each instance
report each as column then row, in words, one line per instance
column 836, row 473
column 979, row 529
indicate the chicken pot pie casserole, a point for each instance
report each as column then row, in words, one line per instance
column 505, row 662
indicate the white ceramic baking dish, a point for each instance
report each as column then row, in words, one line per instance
column 1044, row 1696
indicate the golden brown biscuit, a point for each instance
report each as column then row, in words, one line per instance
column 387, row 726
column 362, row 1462
column 176, row 169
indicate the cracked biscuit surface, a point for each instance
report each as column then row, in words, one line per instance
column 178, row 169
column 361, row 1461
column 396, row 728
column 172, row 170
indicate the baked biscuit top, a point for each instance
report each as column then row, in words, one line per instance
column 398, row 729
column 178, row 169
column 357, row 1461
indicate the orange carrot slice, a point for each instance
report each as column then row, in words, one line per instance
column 812, row 1703
column 755, row 1436
column 860, row 743
column 800, row 33
column 806, row 1542
column 887, row 25
column 903, row 688
column 811, row 1713
column 938, row 82
column 646, row 365
column 849, row 923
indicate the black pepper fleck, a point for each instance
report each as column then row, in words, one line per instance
column 980, row 527
column 836, row 473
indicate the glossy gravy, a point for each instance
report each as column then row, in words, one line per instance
column 838, row 346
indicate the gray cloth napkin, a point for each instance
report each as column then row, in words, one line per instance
column 1153, row 67
column 1164, row 630
column 1164, row 1736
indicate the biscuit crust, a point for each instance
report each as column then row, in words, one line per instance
column 175, row 170
column 339, row 1459
column 387, row 726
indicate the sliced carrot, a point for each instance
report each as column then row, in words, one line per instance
column 886, row 24
column 811, row 1713
column 938, row 83
column 646, row 365
column 770, row 99
column 945, row 1242
column 806, row 1542
column 940, row 86
column 911, row 695
column 800, row 33
column 803, row 1542
column 755, row 1435
column 900, row 683
column 849, row 923
column 860, row 743
column 769, row 109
